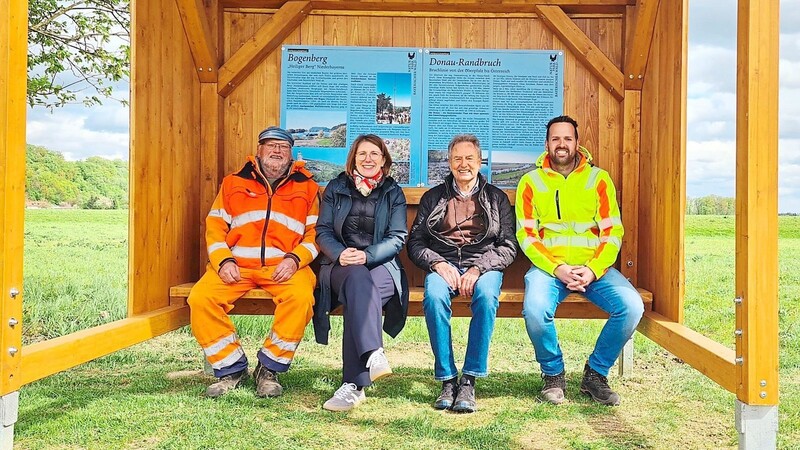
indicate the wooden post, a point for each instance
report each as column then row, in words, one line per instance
column 631, row 121
column 757, row 222
column 13, row 79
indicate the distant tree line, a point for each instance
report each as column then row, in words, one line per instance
column 94, row 183
column 711, row 205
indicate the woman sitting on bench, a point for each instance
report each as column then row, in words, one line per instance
column 360, row 231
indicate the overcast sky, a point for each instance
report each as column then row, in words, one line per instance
column 80, row 132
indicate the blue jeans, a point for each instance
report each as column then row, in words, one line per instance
column 612, row 293
column 438, row 312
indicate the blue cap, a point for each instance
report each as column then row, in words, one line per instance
column 276, row 133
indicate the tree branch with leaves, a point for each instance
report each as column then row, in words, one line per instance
column 77, row 49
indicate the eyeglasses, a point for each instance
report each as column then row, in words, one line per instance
column 373, row 156
column 276, row 146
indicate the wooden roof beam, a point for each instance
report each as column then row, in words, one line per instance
column 639, row 44
column 464, row 6
column 198, row 33
column 263, row 42
column 584, row 49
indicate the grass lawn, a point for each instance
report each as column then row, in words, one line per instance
column 151, row 395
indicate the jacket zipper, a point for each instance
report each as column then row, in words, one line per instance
column 458, row 249
column 558, row 206
column 270, row 193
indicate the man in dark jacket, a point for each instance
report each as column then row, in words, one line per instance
column 463, row 236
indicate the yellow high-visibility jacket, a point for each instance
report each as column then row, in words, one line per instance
column 568, row 220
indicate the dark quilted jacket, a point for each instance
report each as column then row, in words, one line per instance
column 494, row 251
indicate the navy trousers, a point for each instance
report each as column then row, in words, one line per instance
column 362, row 292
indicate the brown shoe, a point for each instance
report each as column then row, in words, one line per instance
column 596, row 386
column 226, row 383
column 554, row 387
column 267, row 384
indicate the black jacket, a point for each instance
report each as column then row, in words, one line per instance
column 495, row 250
column 390, row 235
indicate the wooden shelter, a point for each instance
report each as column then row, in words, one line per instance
column 206, row 78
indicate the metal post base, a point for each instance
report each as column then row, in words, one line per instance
column 625, row 361
column 757, row 426
column 9, row 410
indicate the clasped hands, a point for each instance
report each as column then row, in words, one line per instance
column 229, row 272
column 352, row 257
column 463, row 283
column 576, row 278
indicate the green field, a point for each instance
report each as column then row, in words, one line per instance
column 151, row 395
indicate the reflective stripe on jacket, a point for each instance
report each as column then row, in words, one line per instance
column 573, row 220
column 256, row 226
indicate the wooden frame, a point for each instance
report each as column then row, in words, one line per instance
column 196, row 73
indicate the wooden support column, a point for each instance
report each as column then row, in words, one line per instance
column 211, row 132
column 211, row 157
column 13, row 79
column 757, row 202
column 631, row 123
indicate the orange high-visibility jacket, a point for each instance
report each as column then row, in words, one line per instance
column 256, row 226
column 569, row 220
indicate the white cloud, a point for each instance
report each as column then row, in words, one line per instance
column 711, row 103
column 711, row 169
column 712, row 68
column 80, row 132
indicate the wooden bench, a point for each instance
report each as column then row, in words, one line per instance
column 575, row 306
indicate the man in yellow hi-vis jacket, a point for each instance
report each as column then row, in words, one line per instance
column 568, row 224
column 260, row 232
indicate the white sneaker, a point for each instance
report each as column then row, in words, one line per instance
column 345, row 398
column 378, row 365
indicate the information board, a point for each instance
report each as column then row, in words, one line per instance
column 417, row 100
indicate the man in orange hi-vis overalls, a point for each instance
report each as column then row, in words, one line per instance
column 260, row 232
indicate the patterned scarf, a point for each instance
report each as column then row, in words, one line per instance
column 365, row 185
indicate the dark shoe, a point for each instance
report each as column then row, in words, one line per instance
column 465, row 400
column 554, row 387
column 266, row 382
column 226, row 383
column 448, row 395
column 596, row 386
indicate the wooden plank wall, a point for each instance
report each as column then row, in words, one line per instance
column 256, row 102
column 165, row 157
column 662, row 163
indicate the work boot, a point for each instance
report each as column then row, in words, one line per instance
column 465, row 400
column 596, row 386
column 448, row 395
column 267, row 384
column 378, row 365
column 226, row 383
column 554, row 387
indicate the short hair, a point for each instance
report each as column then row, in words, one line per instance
column 350, row 163
column 562, row 119
column 459, row 138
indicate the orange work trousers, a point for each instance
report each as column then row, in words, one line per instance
column 211, row 300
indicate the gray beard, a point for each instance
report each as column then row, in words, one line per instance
column 273, row 169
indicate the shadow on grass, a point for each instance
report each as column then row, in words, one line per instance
column 400, row 406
